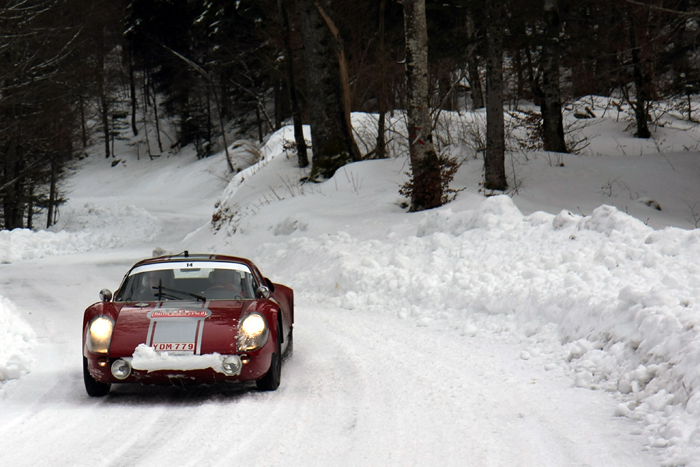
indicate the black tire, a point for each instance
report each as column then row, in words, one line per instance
column 94, row 388
column 290, row 346
column 271, row 380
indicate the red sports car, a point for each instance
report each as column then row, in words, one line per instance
column 188, row 319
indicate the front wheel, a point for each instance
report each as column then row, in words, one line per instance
column 93, row 387
column 290, row 346
column 271, row 380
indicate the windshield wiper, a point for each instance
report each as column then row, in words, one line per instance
column 161, row 289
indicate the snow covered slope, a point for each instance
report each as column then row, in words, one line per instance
column 547, row 327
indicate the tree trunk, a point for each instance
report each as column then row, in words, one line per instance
column 444, row 90
column 102, row 92
column 380, row 151
column 277, row 98
column 494, row 158
column 12, row 199
column 30, row 207
column 641, row 82
column 473, row 66
column 145, row 93
column 210, row 119
column 132, row 90
column 552, row 120
column 333, row 145
column 520, row 78
column 259, row 124
column 52, row 193
column 344, row 80
column 104, row 114
column 302, row 156
column 156, row 119
column 532, row 78
column 83, row 123
column 425, row 165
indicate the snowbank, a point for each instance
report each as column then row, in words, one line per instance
column 133, row 222
column 622, row 296
column 605, row 296
column 16, row 342
column 91, row 227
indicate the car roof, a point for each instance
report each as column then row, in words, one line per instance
column 187, row 256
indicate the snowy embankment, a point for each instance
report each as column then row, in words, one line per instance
column 17, row 340
column 610, row 298
column 86, row 228
column 602, row 295
column 89, row 228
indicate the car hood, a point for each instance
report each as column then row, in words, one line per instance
column 192, row 327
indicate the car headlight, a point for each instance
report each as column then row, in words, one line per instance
column 252, row 332
column 100, row 334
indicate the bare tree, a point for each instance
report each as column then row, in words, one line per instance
column 380, row 152
column 552, row 120
column 494, row 158
column 427, row 189
column 473, row 65
column 642, row 81
column 302, row 157
column 36, row 114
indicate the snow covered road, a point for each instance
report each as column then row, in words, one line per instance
column 359, row 389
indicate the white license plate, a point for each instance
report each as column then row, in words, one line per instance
column 185, row 347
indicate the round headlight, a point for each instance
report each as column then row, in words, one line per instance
column 121, row 369
column 252, row 332
column 232, row 365
column 100, row 334
column 253, row 325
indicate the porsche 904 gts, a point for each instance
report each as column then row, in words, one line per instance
column 187, row 318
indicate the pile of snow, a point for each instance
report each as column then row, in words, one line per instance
column 135, row 223
column 147, row 359
column 622, row 297
column 603, row 295
column 84, row 228
column 22, row 244
column 17, row 340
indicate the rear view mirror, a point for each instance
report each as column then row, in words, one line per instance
column 105, row 295
column 263, row 292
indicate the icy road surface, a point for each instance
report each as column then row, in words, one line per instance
column 359, row 389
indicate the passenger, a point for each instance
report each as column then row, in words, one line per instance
column 153, row 281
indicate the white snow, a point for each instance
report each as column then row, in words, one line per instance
column 555, row 325
column 146, row 358
column 17, row 340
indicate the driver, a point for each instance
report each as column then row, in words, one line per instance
column 226, row 279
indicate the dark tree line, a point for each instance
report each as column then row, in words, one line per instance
column 80, row 72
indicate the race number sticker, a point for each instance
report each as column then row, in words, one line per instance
column 179, row 314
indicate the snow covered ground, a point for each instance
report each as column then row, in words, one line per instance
column 557, row 325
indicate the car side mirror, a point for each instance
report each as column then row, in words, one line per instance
column 270, row 285
column 263, row 292
column 106, row 295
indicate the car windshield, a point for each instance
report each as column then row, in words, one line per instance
column 188, row 281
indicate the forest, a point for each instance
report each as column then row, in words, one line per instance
column 76, row 73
